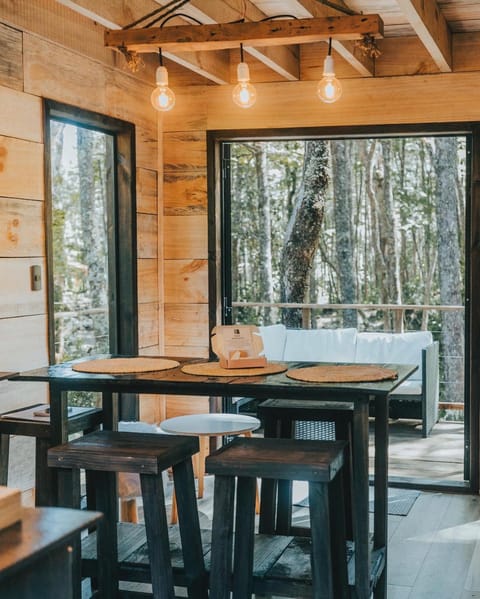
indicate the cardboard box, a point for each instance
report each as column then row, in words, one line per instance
column 238, row 346
column 10, row 506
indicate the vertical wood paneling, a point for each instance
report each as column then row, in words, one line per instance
column 186, row 325
column 184, row 193
column 147, row 280
column 147, row 191
column 185, row 151
column 147, row 241
column 148, row 325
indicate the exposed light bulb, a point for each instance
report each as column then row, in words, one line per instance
column 162, row 97
column 329, row 87
column 244, row 94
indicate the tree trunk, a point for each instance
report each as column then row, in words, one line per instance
column 303, row 230
column 449, row 266
column 342, row 208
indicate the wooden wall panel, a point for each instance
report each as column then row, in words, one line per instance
column 147, row 235
column 186, row 281
column 147, row 191
column 128, row 98
column 147, row 271
column 24, row 343
column 21, row 168
column 57, row 73
column 185, row 151
column 184, row 193
column 186, row 325
column 185, row 237
column 17, row 297
column 146, row 147
column 20, row 115
column 20, row 232
column 186, row 404
column 11, row 59
column 148, row 325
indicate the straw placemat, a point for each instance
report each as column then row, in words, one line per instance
column 125, row 365
column 214, row 369
column 351, row 373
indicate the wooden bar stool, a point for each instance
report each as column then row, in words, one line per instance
column 242, row 461
column 297, row 419
column 205, row 426
column 103, row 454
column 34, row 421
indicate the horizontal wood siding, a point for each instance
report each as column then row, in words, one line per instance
column 49, row 51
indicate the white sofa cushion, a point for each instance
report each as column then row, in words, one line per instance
column 400, row 348
column 320, row 345
column 273, row 337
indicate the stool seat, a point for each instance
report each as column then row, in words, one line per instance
column 286, row 459
column 236, row 467
column 104, row 453
column 210, row 424
column 112, row 451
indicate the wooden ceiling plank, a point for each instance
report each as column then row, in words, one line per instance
column 114, row 15
column 432, row 28
column 229, row 35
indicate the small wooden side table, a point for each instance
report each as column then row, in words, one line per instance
column 36, row 554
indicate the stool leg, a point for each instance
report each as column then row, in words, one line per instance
column 195, row 573
column 107, row 552
column 157, row 535
column 44, row 475
column 204, row 444
column 338, row 517
column 321, row 558
column 242, row 586
column 4, row 453
column 268, row 492
column 222, row 537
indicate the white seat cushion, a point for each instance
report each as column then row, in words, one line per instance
column 399, row 348
column 409, row 388
column 273, row 337
column 320, row 345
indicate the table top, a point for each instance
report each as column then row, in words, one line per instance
column 41, row 530
column 176, row 382
column 6, row 375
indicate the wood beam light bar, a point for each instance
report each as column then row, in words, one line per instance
column 193, row 38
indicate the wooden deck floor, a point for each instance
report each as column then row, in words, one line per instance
column 439, row 457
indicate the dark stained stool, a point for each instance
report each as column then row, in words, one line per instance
column 297, row 419
column 243, row 461
column 28, row 422
column 103, row 454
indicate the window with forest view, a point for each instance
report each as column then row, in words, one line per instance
column 375, row 225
column 81, row 162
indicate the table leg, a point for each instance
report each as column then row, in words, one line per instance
column 381, row 488
column 361, row 501
column 48, row 486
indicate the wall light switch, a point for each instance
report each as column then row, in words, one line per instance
column 36, row 277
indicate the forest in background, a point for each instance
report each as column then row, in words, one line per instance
column 354, row 221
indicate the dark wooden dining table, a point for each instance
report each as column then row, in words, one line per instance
column 369, row 557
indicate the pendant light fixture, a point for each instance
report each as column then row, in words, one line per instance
column 162, row 97
column 329, row 88
column 244, row 94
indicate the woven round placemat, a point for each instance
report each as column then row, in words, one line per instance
column 214, row 369
column 125, row 365
column 345, row 373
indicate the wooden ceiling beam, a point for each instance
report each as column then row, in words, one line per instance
column 364, row 65
column 114, row 15
column 432, row 28
column 283, row 60
column 261, row 34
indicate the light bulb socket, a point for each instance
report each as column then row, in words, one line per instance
column 161, row 76
column 243, row 72
column 328, row 66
